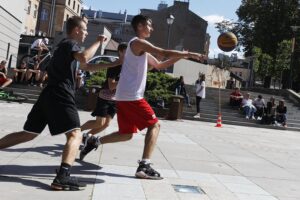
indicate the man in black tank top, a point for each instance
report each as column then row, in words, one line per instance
column 56, row 107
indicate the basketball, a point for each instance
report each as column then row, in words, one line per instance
column 227, row 41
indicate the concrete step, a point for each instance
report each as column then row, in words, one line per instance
column 242, row 123
column 227, row 110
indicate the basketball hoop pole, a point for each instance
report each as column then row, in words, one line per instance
column 219, row 78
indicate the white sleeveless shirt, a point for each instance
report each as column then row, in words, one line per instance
column 132, row 82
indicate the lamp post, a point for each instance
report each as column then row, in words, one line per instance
column 294, row 29
column 170, row 20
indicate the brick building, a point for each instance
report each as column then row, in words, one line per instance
column 188, row 30
column 32, row 8
column 54, row 13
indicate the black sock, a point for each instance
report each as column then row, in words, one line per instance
column 64, row 169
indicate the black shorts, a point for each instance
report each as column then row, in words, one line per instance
column 54, row 108
column 104, row 108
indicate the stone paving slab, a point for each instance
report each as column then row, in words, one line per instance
column 229, row 163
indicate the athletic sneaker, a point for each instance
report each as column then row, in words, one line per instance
column 145, row 171
column 85, row 138
column 92, row 143
column 67, row 182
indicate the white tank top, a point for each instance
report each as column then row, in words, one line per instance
column 132, row 82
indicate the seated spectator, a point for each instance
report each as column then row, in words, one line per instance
column 269, row 114
column 33, row 73
column 260, row 105
column 4, row 80
column 236, row 98
column 281, row 114
column 20, row 72
column 248, row 108
column 180, row 90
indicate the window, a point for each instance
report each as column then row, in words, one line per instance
column 29, row 7
column 44, row 15
column 67, row 17
column 35, row 11
column 241, row 74
column 73, row 5
column 78, row 8
column 69, row 2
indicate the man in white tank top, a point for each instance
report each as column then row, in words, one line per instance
column 134, row 113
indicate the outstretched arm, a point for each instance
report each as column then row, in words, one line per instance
column 99, row 66
column 88, row 53
column 139, row 46
column 153, row 62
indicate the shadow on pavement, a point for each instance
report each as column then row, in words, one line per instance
column 30, row 175
column 26, row 181
column 53, row 151
column 100, row 173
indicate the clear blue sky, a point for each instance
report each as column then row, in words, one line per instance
column 211, row 10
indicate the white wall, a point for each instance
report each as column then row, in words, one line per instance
column 16, row 7
column 12, row 14
column 190, row 71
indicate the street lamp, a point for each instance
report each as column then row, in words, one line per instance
column 294, row 29
column 170, row 20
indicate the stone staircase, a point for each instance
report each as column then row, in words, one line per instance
column 33, row 92
column 210, row 108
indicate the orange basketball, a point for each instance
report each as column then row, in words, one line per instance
column 227, row 41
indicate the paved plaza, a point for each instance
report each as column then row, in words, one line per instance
column 229, row 163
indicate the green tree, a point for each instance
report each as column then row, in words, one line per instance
column 283, row 59
column 159, row 86
column 267, row 22
column 256, row 52
column 97, row 78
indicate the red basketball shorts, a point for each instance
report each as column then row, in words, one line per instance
column 134, row 116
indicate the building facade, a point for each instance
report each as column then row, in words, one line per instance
column 11, row 22
column 118, row 23
column 188, row 31
column 32, row 12
column 54, row 13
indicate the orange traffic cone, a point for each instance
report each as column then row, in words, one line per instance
column 219, row 121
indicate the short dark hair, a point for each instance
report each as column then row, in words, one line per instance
column 72, row 23
column 139, row 19
column 122, row 46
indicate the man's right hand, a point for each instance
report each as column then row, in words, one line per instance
column 101, row 38
column 197, row 56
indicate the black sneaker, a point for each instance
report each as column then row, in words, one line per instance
column 91, row 144
column 145, row 171
column 85, row 138
column 67, row 183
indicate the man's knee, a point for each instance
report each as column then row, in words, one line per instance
column 155, row 126
column 75, row 135
column 106, row 124
column 127, row 136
